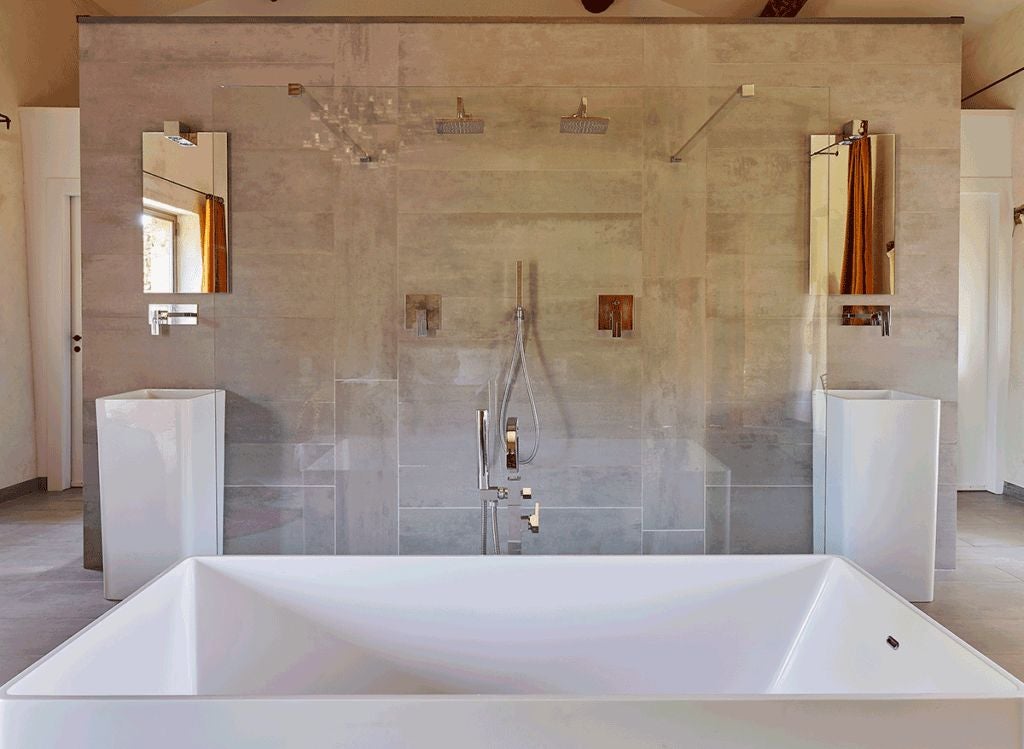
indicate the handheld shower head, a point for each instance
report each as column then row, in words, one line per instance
column 461, row 123
column 581, row 123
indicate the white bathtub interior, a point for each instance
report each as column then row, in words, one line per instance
column 583, row 626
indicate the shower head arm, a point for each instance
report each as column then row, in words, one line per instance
column 843, row 140
column 746, row 91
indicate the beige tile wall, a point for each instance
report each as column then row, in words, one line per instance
column 348, row 434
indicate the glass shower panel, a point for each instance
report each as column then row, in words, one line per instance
column 570, row 208
column 765, row 335
column 355, row 434
column 310, row 322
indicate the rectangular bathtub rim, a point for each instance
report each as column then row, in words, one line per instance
column 192, row 561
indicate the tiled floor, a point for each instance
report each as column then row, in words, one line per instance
column 982, row 601
column 46, row 596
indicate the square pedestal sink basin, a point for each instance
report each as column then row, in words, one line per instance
column 161, row 465
column 881, row 485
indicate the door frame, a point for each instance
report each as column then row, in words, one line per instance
column 999, row 192
column 50, row 146
column 58, row 332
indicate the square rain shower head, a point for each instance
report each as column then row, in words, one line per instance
column 581, row 123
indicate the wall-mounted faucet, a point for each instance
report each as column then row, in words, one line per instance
column 172, row 314
column 877, row 315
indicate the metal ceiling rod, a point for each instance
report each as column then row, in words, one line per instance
column 993, row 83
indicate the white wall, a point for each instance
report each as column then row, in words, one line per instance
column 38, row 67
column 987, row 57
column 17, row 447
column 986, row 204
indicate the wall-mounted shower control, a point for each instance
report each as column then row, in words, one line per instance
column 532, row 520
column 615, row 313
column 423, row 313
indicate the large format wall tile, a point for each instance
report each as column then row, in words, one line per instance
column 120, row 100
column 278, row 421
column 278, row 520
column 275, row 358
column 218, row 42
column 123, row 356
column 348, row 434
column 367, row 54
column 520, row 55
column 759, row 520
column 603, row 531
column 365, row 229
column 440, row 531
column 472, row 191
column 366, row 459
column 673, row 542
column 270, row 464
column 573, row 253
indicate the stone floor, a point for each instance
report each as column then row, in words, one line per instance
column 46, row 596
column 982, row 601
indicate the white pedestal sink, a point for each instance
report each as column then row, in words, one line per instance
column 881, row 485
column 161, row 465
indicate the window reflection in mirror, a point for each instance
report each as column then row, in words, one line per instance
column 184, row 214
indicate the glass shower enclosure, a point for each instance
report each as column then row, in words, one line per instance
column 690, row 433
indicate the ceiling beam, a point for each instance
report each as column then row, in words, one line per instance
column 782, row 8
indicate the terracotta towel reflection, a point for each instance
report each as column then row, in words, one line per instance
column 213, row 227
column 858, row 275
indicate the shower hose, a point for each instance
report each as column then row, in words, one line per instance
column 517, row 363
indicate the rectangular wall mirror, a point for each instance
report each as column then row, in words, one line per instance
column 853, row 215
column 184, row 211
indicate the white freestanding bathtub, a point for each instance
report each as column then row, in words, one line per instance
column 708, row 652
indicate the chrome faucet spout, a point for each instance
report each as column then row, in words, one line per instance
column 878, row 316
